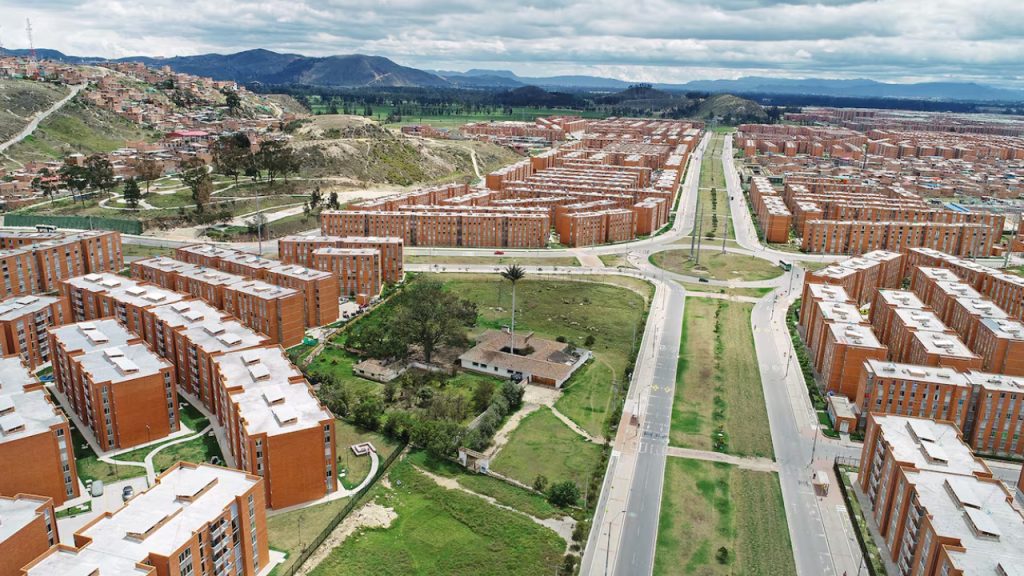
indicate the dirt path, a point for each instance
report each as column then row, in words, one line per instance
column 31, row 127
column 501, row 437
column 371, row 515
column 561, row 526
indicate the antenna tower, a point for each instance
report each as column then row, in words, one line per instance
column 31, row 46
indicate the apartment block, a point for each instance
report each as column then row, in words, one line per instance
column 966, row 317
column 512, row 229
column 813, row 294
column 192, row 334
column 906, row 323
column 272, row 310
column 941, row 349
column 120, row 389
column 884, row 307
column 210, row 284
column 944, row 296
column 823, row 315
column 276, row 427
column 101, row 295
column 910, row 390
column 924, row 279
column 936, row 505
column 196, row 519
column 35, row 440
column 998, row 414
column 846, row 348
column 23, row 324
column 357, row 269
column 320, row 291
column 1000, row 343
column 17, row 267
column 28, row 528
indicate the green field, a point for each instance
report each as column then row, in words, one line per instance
column 453, row 120
column 493, row 260
column 543, row 444
column 707, row 288
column 710, row 507
column 553, row 308
column 90, row 468
column 291, row 532
column 503, row 492
column 439, row 531
column 712, row 195
column 357, row 467
column 716, row 265
column 140, row 251
column 719, row 403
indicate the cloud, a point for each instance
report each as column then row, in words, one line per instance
column 655, row 40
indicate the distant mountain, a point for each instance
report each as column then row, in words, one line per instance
column 858, row 88
column 358, row 70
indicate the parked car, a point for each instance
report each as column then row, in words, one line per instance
column 96, row 488
column 499, row 253
column 702, row 279
column 126, row 493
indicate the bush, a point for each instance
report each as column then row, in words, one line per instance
column 540, row 483
column 564, row 494
column 722, row 556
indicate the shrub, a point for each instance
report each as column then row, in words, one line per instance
column 564, row 494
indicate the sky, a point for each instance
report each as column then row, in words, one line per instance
column 636, row 40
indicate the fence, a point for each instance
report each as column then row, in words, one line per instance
column 80, row 222
column 850, row 499
column 352, row 505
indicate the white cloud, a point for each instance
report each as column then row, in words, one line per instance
column 657, row 40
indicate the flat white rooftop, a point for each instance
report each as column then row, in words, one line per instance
column 930, row 374
column 18, row 512
column 918, row 441
column 23, row 413
column 92, row 335
column 19, row 306
column 122, row 363
column 157, row 521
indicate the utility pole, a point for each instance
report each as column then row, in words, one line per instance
column 700, row 232
column 725, row 236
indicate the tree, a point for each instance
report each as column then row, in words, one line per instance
column 196, row 176
column 513, row 393
column 147, row 170
column 540, row 483
column 564, row 494
column 232, row 99
column 231, row 154
column 100, row 172
column 722, row 555
column 429, row 316
column 132, row 193
column 483, row 394
column 75, row 178
column 277, row 159
column 589, row 341
column 46, row 182
column 367, row 413
column 332, row 202
column 513, row 273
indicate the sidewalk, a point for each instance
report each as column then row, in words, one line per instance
column 755, row 464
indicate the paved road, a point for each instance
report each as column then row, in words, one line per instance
column 31, row 127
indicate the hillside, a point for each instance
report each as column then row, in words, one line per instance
column 729, row 106
column 77, row 127
column 20, row 100
column 359, row 151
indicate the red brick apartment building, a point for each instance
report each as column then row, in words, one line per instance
column 937, row 393
column 38, row 262
column 276, row 428
column 357, row 269
column 846, row 348
column 884, row 308
column 272, row 310
column 937, row 507
column 35, row 440
column 773, row 215
column 941, row 349
column 454, row 229
column 1000, row 343
column 300, row 249
column 120, row 389
column 23, row 324
column 860, row 277
column 196, row 519
column 192, row 334
column 998, row 414
column 29, row 530
column 103, row 295
column 320, row 291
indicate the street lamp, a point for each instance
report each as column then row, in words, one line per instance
column 608, row 550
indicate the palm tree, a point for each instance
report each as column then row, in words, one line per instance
column 513, row 273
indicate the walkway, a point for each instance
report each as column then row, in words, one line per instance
column 755, row 464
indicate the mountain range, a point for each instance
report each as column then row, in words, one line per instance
column 359, row 70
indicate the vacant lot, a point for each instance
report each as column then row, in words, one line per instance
column 543, row 444
column 291, row 532
column 719, row 403
column 440, row 531
column 716, row 265
column 717, row 519
column 21, row 100
column 356, row 468
column 574, row 310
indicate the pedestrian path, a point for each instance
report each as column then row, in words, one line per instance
column 747, row 463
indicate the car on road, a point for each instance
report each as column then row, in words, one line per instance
column 499, row 253
column 702, row 279
column 126, row 493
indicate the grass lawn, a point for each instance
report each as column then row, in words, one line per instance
column 718, row 385
column 140, row 251
column 615, row 260
column 751, row 292
column 494, row 260
column 339, row 363
column 197, row 450
column 90, row 468
column 190, row 416
column 542, row 444
column 555, row 307
column 508, row 494
column 441, row 531
column 714, row 208
column 292, row 531
column 357, row 467
column 707, row 507
column 716, row 265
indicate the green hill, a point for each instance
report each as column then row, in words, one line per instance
column 20, row 100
